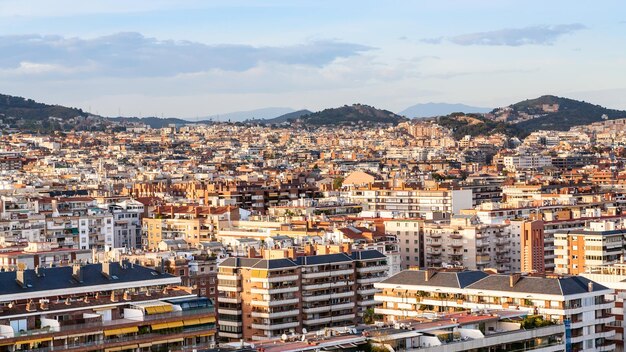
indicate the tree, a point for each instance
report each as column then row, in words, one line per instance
column 369, row 316
column 337, row 182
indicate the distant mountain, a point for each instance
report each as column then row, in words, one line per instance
column 350, row 115
column 550, row 112
column 439, row 109
column 264, row 113
column 286, row 117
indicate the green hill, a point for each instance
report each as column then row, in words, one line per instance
column 356, row 114
column 550, row 112
column 476, row 125
column 28, row 109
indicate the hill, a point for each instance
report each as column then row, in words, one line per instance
column 439, row 109
column 350, row 115
column 286, row 117
column 27, row 114
column 550, row 112
column 475, row 125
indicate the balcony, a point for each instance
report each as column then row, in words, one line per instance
column 222, row 276
column 284, row 278
column 373, row 268
column 314, row 275
column 369, row 302
column 229, row 288
column 274, row 315
column 234, row 300
column 229, row 311
column 273, row 291
column 434, row 244
column 336, row 307
column 370, row 280
column 313, row 310
column 367, row 291
column 274, row 302
column 273, row 326
column 325, row 320
column 456, row 244
column 313, row 298
column 456, row 236
column 327, row 285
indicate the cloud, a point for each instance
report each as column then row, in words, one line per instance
column 534, row 35
column 134, row 55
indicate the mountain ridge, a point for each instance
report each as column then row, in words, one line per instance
column 552, row 112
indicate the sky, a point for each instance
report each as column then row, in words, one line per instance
column 193, row 59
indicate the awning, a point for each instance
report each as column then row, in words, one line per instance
column 142, row 345
column 199, row 321
column 211, row 333
column 164, row 308
column 121, row 331
column 31, row 341
column 173, row 324
column 121, row 348
column 175, row 340
column 207, row 320
column 189, row 322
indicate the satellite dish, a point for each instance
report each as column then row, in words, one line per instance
column 304, row 330
column 283, row 337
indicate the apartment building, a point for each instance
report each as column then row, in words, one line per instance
column 601, row 243
column 265, row 298
column 575, row 301
column 410, row 237
column 127, row 227
column 527, row 162
column 101, row 307
column 410, row 202
column 44, row 254
column 486, row 330
column 614, row 277
column 532, row 249
column 193, row 224
column 465, row 242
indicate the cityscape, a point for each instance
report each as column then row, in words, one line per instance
column 282, row 176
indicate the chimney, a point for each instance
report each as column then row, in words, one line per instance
column 20, row 277
column 39, row 271
column 161, row 269
column 77, row 272
column 428, row 273
column 514, row 278
column 106, row 269
column 590, row 286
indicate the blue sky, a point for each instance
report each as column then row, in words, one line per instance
column 201, row 58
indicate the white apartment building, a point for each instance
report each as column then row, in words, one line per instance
column 575, row 301
column 401, row 202
column 465, row 242
column 526, row 161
